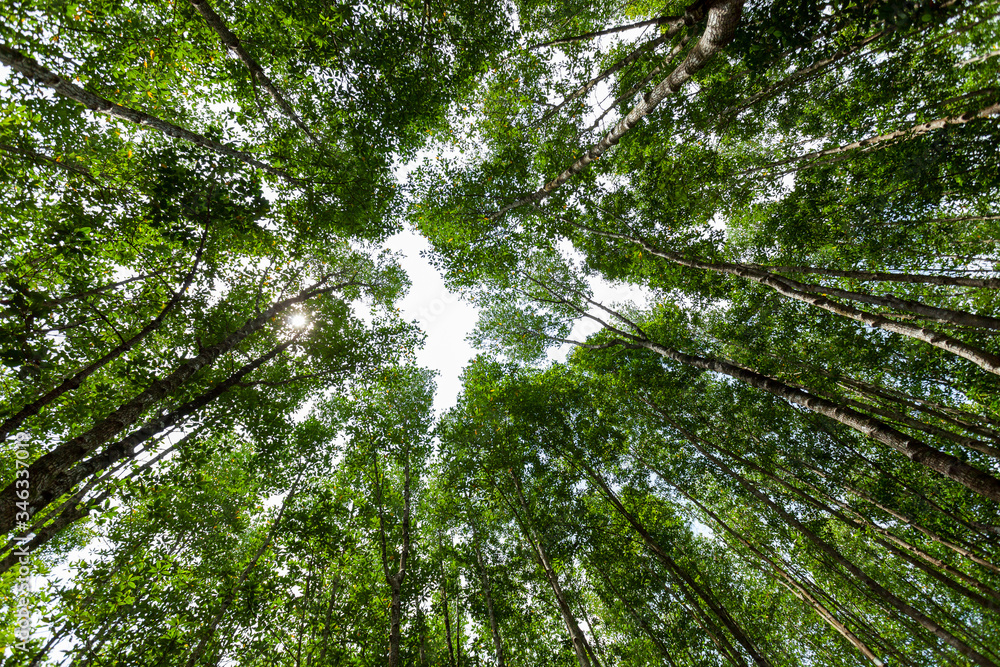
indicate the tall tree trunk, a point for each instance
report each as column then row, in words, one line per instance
column 720, row 29
column 882, row 593
column 74, row 381
column 233, row 43
column 33, row 71
column 885, row 276
column 794, row 585
column 815, row 295
column 576, row 636
column 44, row 471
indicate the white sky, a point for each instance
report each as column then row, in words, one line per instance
column 446, row 319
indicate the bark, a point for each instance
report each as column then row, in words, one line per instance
column 930, row 429
column 44, row 471
column 75, row 509
column 608, row 31
column 484, row 578
column 617, row 67
column 209, row 633
column 233, row 43
column 576, row 636
column 73, row 382
column 882, row 593
column 719, row 31
column 885, row 276
column 642, row 623
column 873, row 143
column 677, row 571
column 794, row 585
column 33, row 71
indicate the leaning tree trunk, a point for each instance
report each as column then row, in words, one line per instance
column 44, row 471
column 29, row 68
column 881, row 592
column 576, row 636
column 77, row 378
column 720, row 29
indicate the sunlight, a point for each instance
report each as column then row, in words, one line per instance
column 298, row 321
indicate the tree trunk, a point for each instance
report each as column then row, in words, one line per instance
column 77, row 379
column 885, row 276
column 30, row 69
column 880, row 591
column 719, row 31
column 576, row 636
column 46, row 469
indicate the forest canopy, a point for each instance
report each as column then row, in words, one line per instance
column 780, row 448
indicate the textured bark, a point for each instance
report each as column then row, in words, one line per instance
column 29, row 68
column 719, row 31
column 677, row 571
column 608, row 31
column 881, row 140
column 233, row 43
column 73, row 382
column 48, row 467
column 947, row 465
column 576, row 636
column 209, row 632
column 75, row 508
column 830, row 551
